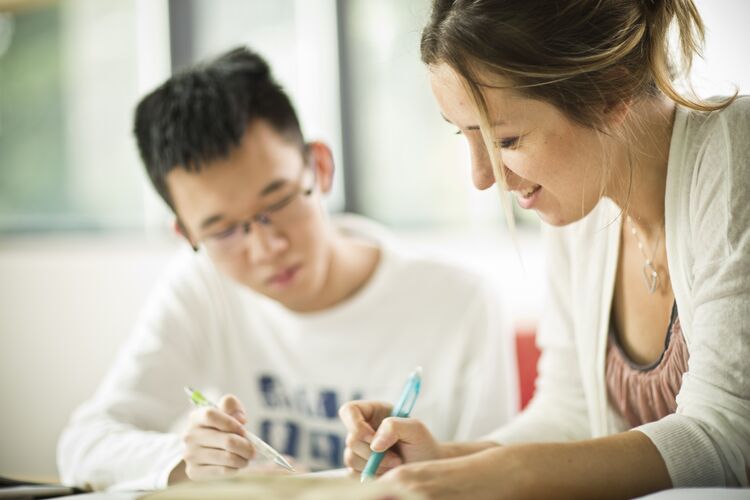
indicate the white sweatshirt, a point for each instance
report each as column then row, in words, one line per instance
column 707, row 210
column 292, row 371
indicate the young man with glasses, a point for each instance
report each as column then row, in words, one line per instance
column 289, row 311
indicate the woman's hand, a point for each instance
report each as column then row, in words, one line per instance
column 625, row 465
column 370, row 427
column 215, row 442
column 478, row 476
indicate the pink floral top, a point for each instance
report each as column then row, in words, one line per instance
column 647, row 393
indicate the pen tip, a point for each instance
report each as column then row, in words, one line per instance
column 282, row 462
column 418, row 371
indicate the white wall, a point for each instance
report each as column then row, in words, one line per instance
column 724, row 65
column 66, row 303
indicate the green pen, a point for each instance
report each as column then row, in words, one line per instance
column 264, row 448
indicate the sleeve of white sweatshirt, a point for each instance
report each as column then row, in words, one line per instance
column 557, row 412
column 707, row 441
column 120, row 439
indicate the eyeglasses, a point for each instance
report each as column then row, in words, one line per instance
column 283, row 213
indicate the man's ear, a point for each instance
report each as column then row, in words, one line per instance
column 322, row 161
column 179, row 228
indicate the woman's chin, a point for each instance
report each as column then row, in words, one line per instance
column 556, row 220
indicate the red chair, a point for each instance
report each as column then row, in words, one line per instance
column 527, row 356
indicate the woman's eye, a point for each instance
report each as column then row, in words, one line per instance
column 507, row 143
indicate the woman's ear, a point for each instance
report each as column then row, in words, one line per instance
column 322, row 161
column 179, row 228
column 617, row 110
column 616, row 113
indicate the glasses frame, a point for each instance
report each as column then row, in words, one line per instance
column 264, row 218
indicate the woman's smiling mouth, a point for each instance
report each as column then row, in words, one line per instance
column 528, row 196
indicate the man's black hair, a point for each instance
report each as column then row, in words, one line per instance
column 200, row 115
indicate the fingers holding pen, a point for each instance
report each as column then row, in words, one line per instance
column 211, row 439
column 358, row 451
column 362, row 417
column 357, row 463
column 231, row 405
column 394, row 429
column 214, row 418
column 203, row 455
column 215, row 442
column 409, row 437
column 210, row 452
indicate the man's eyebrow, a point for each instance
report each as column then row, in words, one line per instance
column 272, row 187
column 213, row 219
column 473, row 127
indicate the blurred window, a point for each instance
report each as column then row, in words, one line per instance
column 67, row 88
column 71, row 72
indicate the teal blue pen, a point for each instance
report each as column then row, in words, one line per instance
column 261, row 446
column 402, row 409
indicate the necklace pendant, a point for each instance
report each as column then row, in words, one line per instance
column 650, row 276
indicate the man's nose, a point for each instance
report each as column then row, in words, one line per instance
column 265, row 243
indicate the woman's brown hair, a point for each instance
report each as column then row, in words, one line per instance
column 581, row 56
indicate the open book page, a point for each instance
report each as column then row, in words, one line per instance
column 301, row 487
column 330, row 473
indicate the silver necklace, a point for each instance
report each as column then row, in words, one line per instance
column 650, row 276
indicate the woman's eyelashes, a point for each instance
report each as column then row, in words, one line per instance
column 507, row 143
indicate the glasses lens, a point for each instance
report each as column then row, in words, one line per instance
column 284, row 213
column 228, row 242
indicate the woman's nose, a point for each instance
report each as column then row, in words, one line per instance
column 481, row 166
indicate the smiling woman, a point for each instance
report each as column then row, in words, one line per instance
column 571, row 106
column 569, row 103
column 546, row 158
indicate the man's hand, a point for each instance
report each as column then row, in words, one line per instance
column 215, row 443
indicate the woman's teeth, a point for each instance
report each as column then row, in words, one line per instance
column 529, row 191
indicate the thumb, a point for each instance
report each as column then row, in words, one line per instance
column 231, row 405
column 396, row 429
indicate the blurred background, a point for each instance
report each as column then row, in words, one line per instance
column 83, row 236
